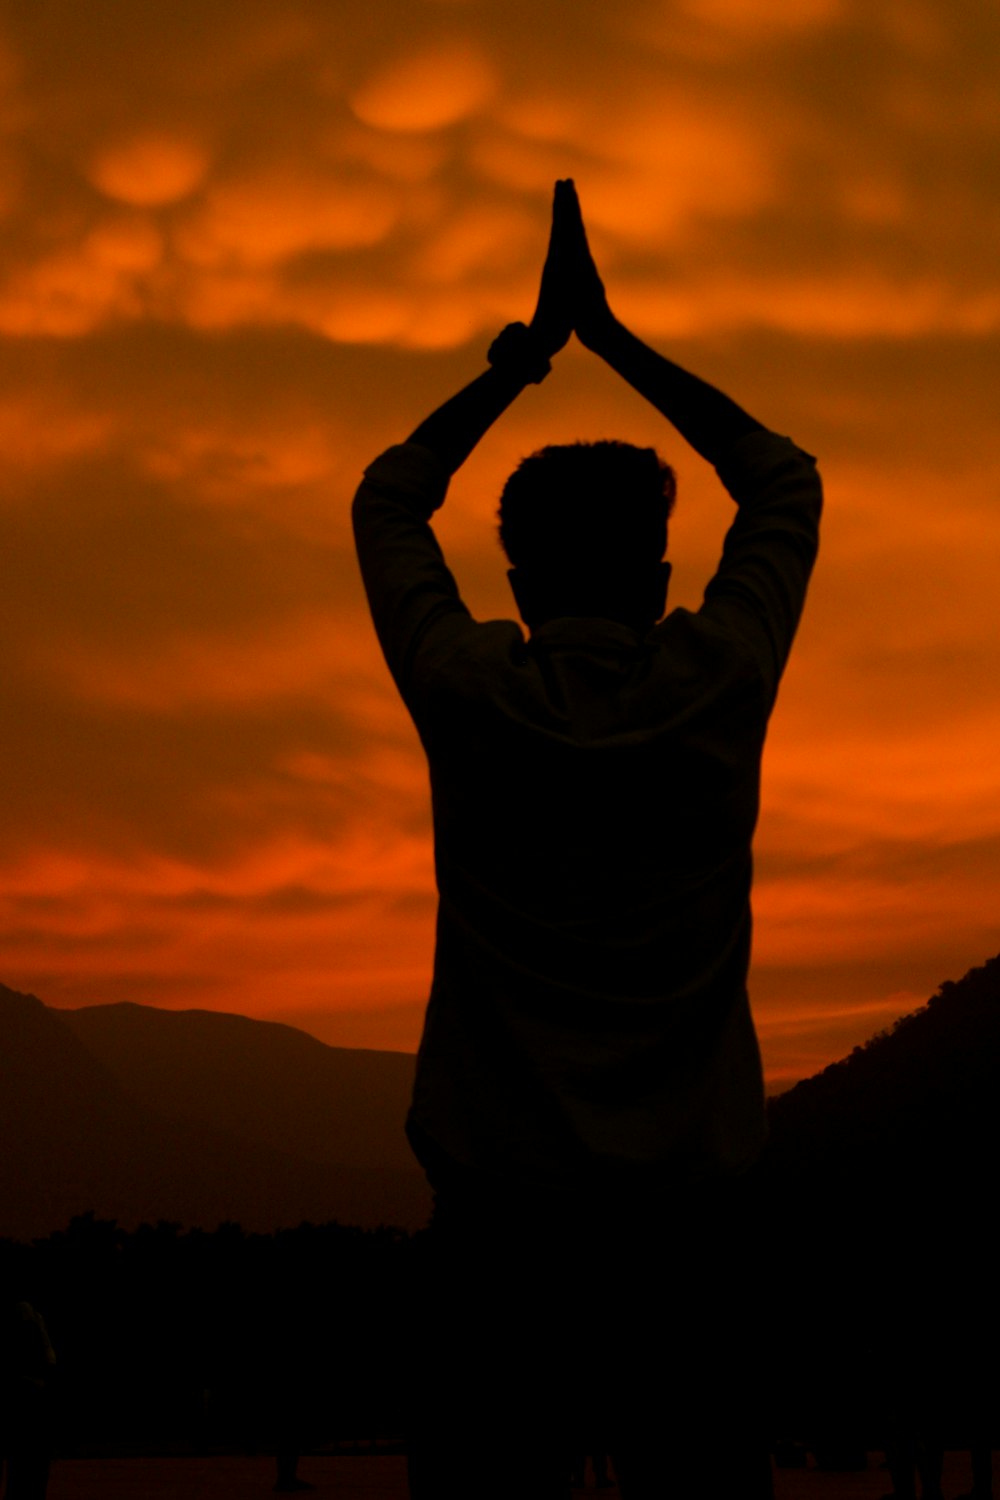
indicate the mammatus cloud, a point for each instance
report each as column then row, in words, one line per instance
column 737, row 173
column 426, row 89
column 149, row 171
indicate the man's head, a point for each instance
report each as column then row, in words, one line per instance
column 584, row 527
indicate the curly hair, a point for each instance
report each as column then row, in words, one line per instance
column 587, row 507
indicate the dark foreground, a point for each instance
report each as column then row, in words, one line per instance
column 349, row 1477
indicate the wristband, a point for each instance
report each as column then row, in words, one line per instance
column 516, row 351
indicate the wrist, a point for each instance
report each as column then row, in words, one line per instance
column 519, row 352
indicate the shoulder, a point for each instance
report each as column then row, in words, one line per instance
column 766, row 464
column 696, row 643
column 407, row 472
column 762, row 450
column 406, row 463
column 469, row 654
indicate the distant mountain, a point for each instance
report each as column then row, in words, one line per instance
column 260, row 1080
column 195, row 1117
column 916, row 1110
column 142, row 1114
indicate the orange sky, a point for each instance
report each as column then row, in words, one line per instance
column 246, row 247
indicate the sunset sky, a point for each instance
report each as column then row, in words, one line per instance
column 246, row 247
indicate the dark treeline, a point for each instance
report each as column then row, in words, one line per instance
column 882, row 1329
column 218, row 1339
column 882, row 1318
column 878, row 1277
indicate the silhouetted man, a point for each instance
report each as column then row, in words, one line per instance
column 588, row 1099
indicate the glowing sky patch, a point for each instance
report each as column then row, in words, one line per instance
column 245, row 250
column 149, row 170
column 425, row 90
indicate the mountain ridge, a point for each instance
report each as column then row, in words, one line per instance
column 199, row 1116
column 79, row 1133
column 915, row 1105
column 237, row 1073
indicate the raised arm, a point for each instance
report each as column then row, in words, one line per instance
column 455, row 428
column 413, row 596
column 520, row 356
column 760, row 585
column 709, row 420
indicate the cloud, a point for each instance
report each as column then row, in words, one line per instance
column 38, row 432
column 149, row 171
column 244, row 252
column 869, row 915
column 96, row 930
column 767, row 17
column 425, row 90
column 283, row 211
column 312, row 174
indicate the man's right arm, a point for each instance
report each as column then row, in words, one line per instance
column 709, row 420
column 759, row 588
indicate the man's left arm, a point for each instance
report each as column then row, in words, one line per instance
column 409, row 586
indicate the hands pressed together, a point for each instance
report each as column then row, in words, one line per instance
column 571, row 298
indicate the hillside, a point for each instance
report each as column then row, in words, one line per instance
column 917, row 1105
column 197, row 1117
column 122, row 1115
column 260, row 1080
